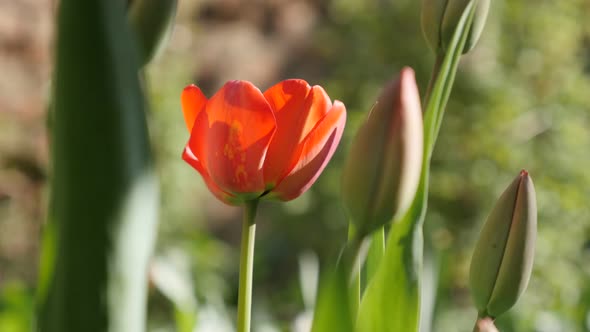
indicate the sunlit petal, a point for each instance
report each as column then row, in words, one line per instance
column 298, row 108
column 313, row 155
column 241, row 125
column 193, row 101
column 189, row 157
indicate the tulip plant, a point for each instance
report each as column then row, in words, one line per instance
column 249, row 145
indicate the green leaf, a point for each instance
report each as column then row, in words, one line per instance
column 376, row 251
column 104, row 194
column 332, row 312
column 392, row 298
column 152, row 22
column 185, row 320
column 47, row 258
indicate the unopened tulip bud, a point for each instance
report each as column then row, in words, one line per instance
column 152, row 22
column 485, row 325
column 440, row 19
column 382, row 172
column 503, row 258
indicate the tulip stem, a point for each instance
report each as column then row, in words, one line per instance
column 435, row 72
column 355, row 271
column 246, row 266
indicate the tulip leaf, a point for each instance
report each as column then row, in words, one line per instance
column 376, row 251
column 392, row 298
column 332, row 311
column 152, row 22
column 104, row 194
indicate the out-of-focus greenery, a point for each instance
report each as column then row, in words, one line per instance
column 15, row 308
column 521, row 100
column 104, row 193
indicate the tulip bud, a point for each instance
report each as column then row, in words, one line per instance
column 485, row 325
column 440, row 19
column 503, row 258
column 152, row 22
column 382, row 172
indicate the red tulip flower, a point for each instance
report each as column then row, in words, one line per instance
column 247, row 144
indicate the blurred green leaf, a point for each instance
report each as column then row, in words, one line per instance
column 185, row 320
column 391, row 300
column 47, row 259
column 170, row 274
column 376, row 251
column 152, row 22
column 15, row 304
column 332, row 312
column 104, row 194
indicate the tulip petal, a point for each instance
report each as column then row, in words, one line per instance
column 319, row 105
column 298, row 108
column 193, row 102
column 195, row 155
column 192, row 160
column 241, row 125
column 313, row 154
column 198, row 140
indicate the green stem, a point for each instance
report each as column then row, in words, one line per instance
column 435, row 73
column 438, row 96
column 246, row 266
column 355, row 270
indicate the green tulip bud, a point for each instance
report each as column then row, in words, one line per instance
column 152, row 21
column 503, row 258
column 440, row 19
column 382, row 171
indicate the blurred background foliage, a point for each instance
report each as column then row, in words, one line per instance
column 521, row 100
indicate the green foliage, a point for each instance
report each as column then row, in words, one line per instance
column 332, row 309
column 15, row 308
column 104, row 195
column 392, row 299
column 519, row 102
column 152, row 22
column 375, row 254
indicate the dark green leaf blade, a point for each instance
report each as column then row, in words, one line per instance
column 104, row 192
